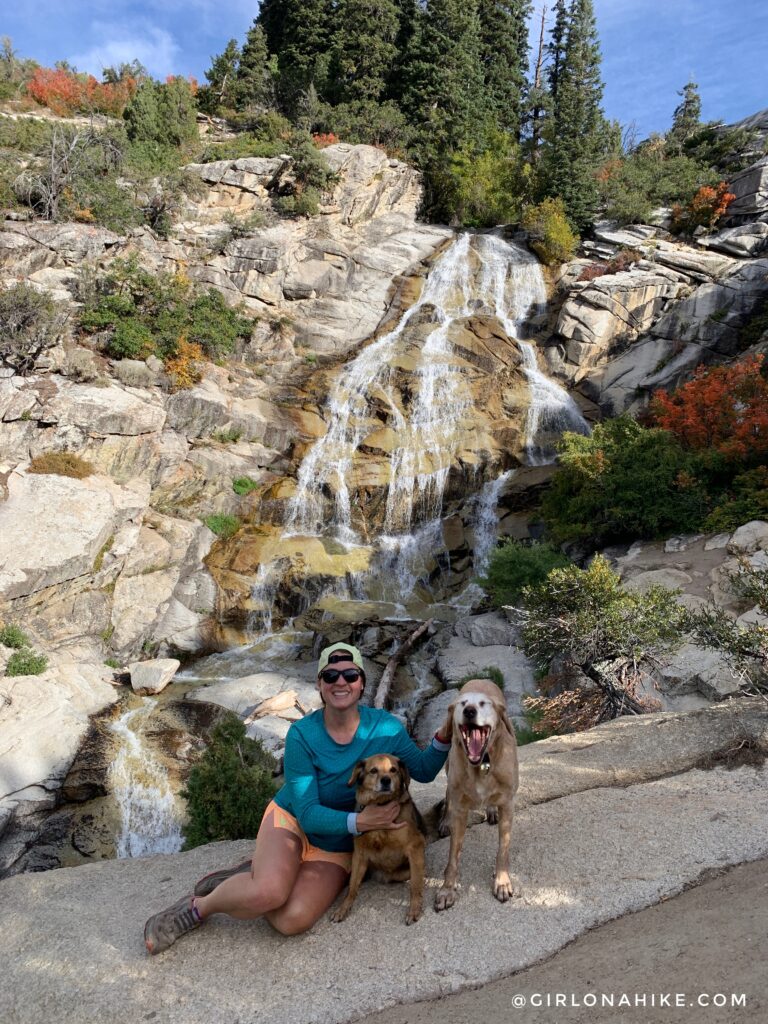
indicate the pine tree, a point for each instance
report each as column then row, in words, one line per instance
column 443, row 91
column 303, row 57
column 253, row 84
column 577, row 133
column 504, row 55
column 556, row 47
column 686, row 119
column 364, row 49
column 271, row 17
column 220, row 91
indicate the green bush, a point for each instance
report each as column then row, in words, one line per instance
column 162, row 112
column 630, row 188
column 241, row 146
column 490, row 672
column 230, row 787
column 25, row 662
column 12, row 636
column 150, row 313
column 222, row 525
column 515, row 565
column 552, row 238
column 305, row 203
column 30, row 323
column 623, row 482
column 244, row 485
column 746, row 499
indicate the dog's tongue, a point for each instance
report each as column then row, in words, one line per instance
column 475, row 744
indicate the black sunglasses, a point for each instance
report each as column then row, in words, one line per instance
column 341, row 656
column 330, row 675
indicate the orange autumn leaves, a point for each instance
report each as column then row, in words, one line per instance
column 723, row 409
column 66, row 93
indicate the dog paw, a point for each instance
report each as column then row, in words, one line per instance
column 492, row 816
column 444, row 898
column 413, row 916
column 505, row 888
column 339, row 914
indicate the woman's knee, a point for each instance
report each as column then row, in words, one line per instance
column 291, row 920
column 262, row 898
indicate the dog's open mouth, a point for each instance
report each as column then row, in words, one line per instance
column 475, row 739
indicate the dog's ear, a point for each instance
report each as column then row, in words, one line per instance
column 357, row 774
column 503, row 714
column 405, row 775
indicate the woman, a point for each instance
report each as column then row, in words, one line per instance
column 303, row 850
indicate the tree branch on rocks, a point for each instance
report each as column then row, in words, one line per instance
column 381, row 696
column 30, row 323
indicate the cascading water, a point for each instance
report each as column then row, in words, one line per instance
column 425, row 430
column 149, row 815
column 513, row 282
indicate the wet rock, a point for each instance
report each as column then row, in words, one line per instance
column 149, row 677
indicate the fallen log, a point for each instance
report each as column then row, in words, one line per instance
column 388, row 675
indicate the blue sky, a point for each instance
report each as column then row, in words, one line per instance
column 650, row 47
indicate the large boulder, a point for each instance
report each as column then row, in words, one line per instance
column 751, row 190
column 43, row 721
column 152, row 676
column 53, row 528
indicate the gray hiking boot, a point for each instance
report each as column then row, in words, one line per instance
column 162, row 930
column 206, row 885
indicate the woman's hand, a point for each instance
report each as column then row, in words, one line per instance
column 379, row 816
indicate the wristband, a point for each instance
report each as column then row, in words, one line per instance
column 352, row 823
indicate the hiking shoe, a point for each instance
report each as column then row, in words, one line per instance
column 206, row 885
column 162, row 930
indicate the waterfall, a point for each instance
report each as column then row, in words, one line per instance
column 419, row 428
column 426, row 438
column 513, row 285
column 149, row 817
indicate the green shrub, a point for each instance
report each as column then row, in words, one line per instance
column 244, row 145
column 230, row 436
column 230, row 787
column 623, row 482
column 222, row 525
column 244, row 485
column 746, row 499
column 515, row 565
column 30, row 323
column 552, row 237
column 12, row 636
column 490, row 672
column 151, row 313
column 61, row 464
column 162, row 112
column 25, row 662
column 299, row 204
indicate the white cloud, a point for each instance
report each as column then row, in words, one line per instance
column 119, row 43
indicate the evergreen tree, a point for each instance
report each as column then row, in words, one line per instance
column 364, row 49
column 302, row 59
column 220, row 91
column 556, row 47
column 687, row 118
column 577, row 134
column 177, row 111
column 443, row 91
column 504, row 55
column 142, row 114
column 272, row 19
column 253, row 82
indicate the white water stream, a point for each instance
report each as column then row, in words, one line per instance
column 149, row 814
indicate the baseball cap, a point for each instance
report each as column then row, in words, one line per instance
column 353, row 655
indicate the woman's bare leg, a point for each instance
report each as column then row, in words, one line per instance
column 316, row 886
column 275, row 867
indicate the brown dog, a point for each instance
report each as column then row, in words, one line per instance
column 482, row 772
column 398, row 853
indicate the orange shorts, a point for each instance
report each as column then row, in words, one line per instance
column 276, row 817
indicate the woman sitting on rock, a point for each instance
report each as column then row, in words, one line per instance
column 303, row 850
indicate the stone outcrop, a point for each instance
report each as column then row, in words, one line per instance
column 150, row 677
column 575, row 835
column 43, row 722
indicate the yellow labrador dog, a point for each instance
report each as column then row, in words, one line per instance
column 482, row 773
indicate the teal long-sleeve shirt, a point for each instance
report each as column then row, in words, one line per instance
column 317, row 771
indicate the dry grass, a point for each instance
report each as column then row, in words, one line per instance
column 61, row 464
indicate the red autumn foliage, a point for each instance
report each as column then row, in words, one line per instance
column 66, row 93
column 323, row 139
column 704, row 210
column 724, row 409
column 189, row 80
